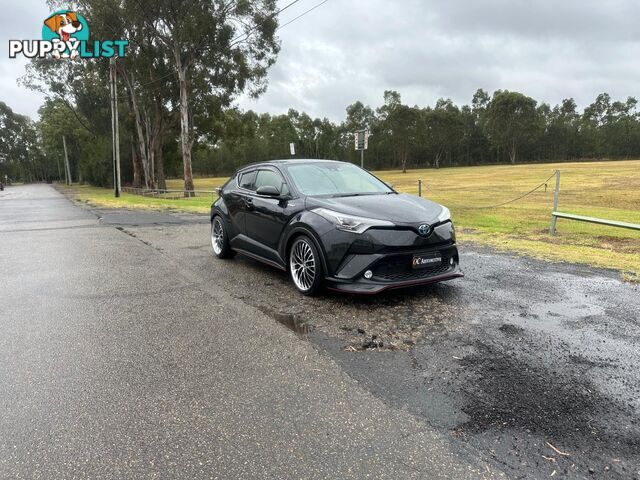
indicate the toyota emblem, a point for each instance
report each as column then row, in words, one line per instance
column 424, row 229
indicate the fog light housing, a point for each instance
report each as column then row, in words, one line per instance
column 452, row 262
column 368, row 274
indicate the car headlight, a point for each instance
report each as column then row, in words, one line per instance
column 351, row 223
column 444, row 215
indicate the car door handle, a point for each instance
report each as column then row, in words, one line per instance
column 249, row 203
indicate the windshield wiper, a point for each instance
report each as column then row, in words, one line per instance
column 361, row 194
column 340, row 195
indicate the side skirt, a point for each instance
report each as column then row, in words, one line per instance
column 266, row 261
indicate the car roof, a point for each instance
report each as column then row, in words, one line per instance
column 283, row 161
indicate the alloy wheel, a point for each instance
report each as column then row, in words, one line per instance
column 217, row 236
column 302, row 263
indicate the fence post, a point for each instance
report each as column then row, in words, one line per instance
column 554, row 219
column 419, row 187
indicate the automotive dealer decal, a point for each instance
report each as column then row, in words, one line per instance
column 65, row 34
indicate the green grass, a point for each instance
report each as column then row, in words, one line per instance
column 103, row 197
column 608, row 190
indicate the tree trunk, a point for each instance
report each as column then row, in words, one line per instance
column 144, row 159
column 512, row 153
column 155, row 145
column 141, row 139
column 185, row 128
column 135, row 160
column 162, row 183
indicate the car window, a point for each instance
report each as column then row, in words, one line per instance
column 271, row 178
column 333, row 178
column 247, row 180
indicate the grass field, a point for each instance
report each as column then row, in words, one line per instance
column 608, row 190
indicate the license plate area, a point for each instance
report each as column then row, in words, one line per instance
column 426, row 260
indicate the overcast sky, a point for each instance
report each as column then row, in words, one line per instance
column 349, row 50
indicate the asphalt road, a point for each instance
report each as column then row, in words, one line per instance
column 131, row 352
column 121, row 358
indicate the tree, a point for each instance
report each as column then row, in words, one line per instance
column 443, row 129
column 512, row 121
column 147, row 76
column 401, row 125
column 20, row 155
column 217, row 48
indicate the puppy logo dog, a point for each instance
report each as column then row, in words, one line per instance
column 65, row 34
column 65, row 25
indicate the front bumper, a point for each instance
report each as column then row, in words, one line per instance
column 364, row 287
column 395, row 270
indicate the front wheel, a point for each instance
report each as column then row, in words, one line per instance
column 220, row 239
column 305, row 266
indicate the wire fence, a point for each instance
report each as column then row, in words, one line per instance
column 422, row 185
column 588, row 189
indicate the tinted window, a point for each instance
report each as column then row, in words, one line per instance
column 246, row 180
column 273, row 179
column 334, row 179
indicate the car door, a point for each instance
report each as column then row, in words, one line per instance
column 237, row 200
column 268, row 216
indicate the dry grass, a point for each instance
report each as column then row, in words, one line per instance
column 608, row 190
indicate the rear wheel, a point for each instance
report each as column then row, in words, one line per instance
column 219, row 239
column 305, row 266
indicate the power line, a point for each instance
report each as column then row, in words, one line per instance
column 303, row 14
column 275, row 14
column 246, row 34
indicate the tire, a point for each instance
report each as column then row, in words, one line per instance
column 220, row 239
column 305, row 266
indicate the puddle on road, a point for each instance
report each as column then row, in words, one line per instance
column 290, row 320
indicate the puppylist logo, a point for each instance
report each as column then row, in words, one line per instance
column 65, row 34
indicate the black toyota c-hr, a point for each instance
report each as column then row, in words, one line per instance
column 335, row 224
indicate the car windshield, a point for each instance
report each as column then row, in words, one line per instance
column 336, row 179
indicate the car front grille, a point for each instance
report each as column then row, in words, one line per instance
column 399, row 269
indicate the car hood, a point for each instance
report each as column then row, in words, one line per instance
column 398, row 208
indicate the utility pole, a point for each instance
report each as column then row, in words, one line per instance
column 115, row 132
column 67, row 171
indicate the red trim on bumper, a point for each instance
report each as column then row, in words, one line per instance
column 393, row 286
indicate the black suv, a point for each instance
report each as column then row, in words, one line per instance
column 333, row 223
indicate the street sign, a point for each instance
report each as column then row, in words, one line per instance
column 292, row 149
column 361, row 139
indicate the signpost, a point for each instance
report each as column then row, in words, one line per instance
column 362, row 143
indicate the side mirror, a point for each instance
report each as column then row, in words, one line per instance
column 268, row 191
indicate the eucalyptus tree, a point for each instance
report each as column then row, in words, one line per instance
column 20, row 156
column 444, row 129
column 512, row 122
column 217, row 49
column 146, row 73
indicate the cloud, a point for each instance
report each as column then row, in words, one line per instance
column 26, row 17
column 353, row 50
column 347, row 51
